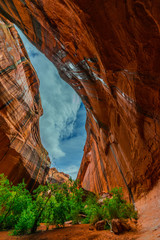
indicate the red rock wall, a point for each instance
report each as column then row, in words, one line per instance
column 54, row 176
column 108, row 51
column 21, row 152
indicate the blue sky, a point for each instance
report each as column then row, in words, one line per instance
column 62, row 126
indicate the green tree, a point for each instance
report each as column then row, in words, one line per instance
column 13, row 200
column 41, row 197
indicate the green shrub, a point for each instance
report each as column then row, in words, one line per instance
column 25, row 222
column 96, row 215
column 76, row 204
column 92, row 210
column 47, row 216
column 117, row 207
column 54, row 204
column 13, row 200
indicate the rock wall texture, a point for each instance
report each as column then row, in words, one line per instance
column 108, row 51
column 21, row 152
column 54, row 176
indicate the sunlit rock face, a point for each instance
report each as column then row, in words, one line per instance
column 21, row 152
column 108, row 51
column 54, row 176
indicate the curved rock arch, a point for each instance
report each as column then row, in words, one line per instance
column 108, row 52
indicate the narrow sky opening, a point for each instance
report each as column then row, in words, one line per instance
column 62, row 126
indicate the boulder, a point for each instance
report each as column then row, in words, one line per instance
column 100, row 225
column 119, row 226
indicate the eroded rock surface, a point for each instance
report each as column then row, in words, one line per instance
column 21, row 152
column 108, row 51
column 54, row 176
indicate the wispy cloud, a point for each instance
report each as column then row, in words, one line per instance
column 62, row 124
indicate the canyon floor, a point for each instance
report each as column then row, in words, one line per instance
column 149, row 230
column 148, row 226
column 82, row 232
column 75, row 232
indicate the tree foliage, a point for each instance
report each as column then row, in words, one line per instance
column 53, row 204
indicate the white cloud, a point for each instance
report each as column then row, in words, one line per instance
column 60, row 108
column 60, row 105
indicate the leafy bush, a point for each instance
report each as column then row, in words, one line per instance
column 92, row 210
column 117, row 207
column 54, row 204
column 114, row 207
column 13, row 200
column 25, row 222
column 47, row 216
column 76, row 205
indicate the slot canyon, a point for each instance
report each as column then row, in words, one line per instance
column 108, row 51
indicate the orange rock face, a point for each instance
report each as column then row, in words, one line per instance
column 54, row 176
column 108, row 51
column 21, row 152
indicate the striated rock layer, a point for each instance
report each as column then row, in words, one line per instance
column 21, row 152
column 108, row 51
column 54, row 176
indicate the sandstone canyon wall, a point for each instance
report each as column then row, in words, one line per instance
column 108, row 51
column 21, row 152
column 54, row 176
